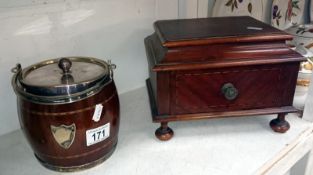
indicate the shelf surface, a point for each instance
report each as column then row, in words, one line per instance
column 225, row 146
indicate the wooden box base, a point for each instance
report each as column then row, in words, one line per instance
column 164, row 132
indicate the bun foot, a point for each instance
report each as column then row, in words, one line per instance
column 164, row 132
column 280, row 124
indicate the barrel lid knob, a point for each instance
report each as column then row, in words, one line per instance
column 65, row 64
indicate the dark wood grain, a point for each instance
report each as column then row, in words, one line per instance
column 204, row 31
column 216, row 56
column 223, row 52
column 200, row 90
column 163, row 98
column 152, row 101
column 190, row 60
column 224, row 114
column 36, row 120
column 279, row 124
column 164, row 132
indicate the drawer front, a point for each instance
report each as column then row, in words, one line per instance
column 256, row 87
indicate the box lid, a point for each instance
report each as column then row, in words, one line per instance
column 187, row 44
column 202, row 31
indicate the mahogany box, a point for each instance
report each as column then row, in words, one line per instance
column 219, row 67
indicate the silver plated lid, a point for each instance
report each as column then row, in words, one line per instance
column 62, row 79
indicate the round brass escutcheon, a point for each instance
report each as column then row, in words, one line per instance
column 229, row 91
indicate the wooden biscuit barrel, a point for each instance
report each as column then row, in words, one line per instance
column 69, row 111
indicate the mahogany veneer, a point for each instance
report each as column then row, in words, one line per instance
column 219, row 67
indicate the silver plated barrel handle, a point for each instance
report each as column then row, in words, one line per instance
column 111, row 68
column 17, row 68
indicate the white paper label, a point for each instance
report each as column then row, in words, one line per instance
column 97, row 135
column 97, row 114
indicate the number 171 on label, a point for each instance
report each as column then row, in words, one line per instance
column 97, row 135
